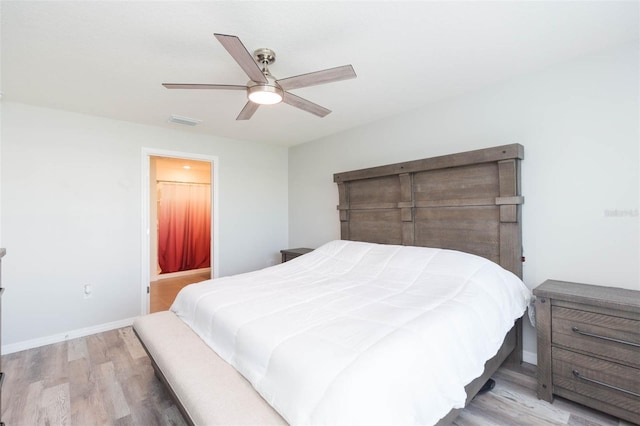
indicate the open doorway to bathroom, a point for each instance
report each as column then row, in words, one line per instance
column 180, row 226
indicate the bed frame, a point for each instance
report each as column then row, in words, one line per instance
column 468, row 201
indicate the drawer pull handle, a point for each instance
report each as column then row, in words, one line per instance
column 586, row 379
column 611, row 339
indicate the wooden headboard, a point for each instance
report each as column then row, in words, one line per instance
column 468, row 201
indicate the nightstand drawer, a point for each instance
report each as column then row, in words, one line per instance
column 608, row 382
column 610, row 337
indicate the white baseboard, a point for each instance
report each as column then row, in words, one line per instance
column 530, row 357
column 57, row 338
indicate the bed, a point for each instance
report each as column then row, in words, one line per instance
column 363, row 330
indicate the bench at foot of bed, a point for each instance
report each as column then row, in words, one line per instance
column 207, row 390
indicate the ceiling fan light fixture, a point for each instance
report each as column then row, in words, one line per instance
column 265, row 94
column 263, row 88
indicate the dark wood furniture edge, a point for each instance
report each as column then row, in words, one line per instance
column 625, row 299
column 485, row 155
column 543, row 333
column 515, row 357
column 289, row 254
column 298, row 250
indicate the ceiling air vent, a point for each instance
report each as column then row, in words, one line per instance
column 184, row 120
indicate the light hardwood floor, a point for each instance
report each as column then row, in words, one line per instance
column 163, row 292
column 107, row 379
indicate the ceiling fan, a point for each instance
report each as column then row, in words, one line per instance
column 263, row 88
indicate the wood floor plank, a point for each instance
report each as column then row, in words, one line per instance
column 133, row 345
column 514, row 399
column 125, row 421
column 525, row 377
column 581, row 421
column 76, row 349
column 86, row 400
column 55, row 405
column 13, row 366
column 173, row 416
column 31, row 413
column 33, row 362
column 474, row 416
column 98, row 345
column 115, row 400
column 581, row 415
column 56, row 365
column 502, row 411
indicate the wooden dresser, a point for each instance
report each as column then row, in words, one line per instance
column 589, row 346
column 289, row 254
column 2, row 253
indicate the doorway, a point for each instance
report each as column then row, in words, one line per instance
column 180, row 224
column 180, row 192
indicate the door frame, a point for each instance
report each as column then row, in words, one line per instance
column 147, row 153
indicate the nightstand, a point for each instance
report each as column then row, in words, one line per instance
column 289, row 254
column 589, row 346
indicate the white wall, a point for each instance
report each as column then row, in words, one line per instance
column 71, row 215
column 579, row 124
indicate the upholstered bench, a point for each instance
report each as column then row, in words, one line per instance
column 207, row 390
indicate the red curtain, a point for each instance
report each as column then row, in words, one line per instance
column 184, row 226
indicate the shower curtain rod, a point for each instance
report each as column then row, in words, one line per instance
column 177, row 181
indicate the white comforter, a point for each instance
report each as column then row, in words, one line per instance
column 358, row 333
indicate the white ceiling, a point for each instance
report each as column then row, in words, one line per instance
column 109, row 58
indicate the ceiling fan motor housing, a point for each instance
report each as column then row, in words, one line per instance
column 265, row 93
column 264, row 56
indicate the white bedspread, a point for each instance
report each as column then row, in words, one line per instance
column 359, row 333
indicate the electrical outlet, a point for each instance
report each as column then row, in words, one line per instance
column 88, row 291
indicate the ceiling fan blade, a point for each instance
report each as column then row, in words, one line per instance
column 242, row 56
column 204, row 86
column 330, row 75
column 247, row 111
column 304, row 104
